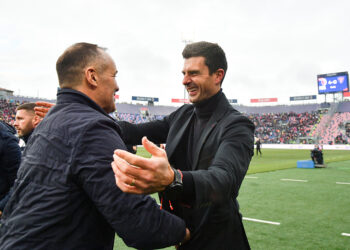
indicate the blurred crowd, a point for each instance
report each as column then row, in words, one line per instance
column 8, row 110
column 137, row 118
column 284, row 127
column 277, row 128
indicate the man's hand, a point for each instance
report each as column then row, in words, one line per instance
column 139, row 175
column 42, row 108
column 187, row 238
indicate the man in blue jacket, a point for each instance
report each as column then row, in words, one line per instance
column 65, row 196
column 10, row 158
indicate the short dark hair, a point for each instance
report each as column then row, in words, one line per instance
column 214, row 55
column 71, row 63
column 29, row 106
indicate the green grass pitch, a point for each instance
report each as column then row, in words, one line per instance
column 313, row 211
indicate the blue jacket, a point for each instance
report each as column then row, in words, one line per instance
column 65, row 196
column 10, row 158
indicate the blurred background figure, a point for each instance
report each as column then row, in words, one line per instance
column 26, row 121
column 10, row 159
column 258, row 147
column 317, row 155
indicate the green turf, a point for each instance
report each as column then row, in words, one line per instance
column 276, row 159
column 312, row 214
column 143, row 152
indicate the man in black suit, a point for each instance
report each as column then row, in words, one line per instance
column 209, row 146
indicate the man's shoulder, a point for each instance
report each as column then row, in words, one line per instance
column 234, row 114
column 74, row 120
column 7, row 135
column 186, row 108
column 6, row 129
column 77, row 113
column 236, row 118
column 74, row 108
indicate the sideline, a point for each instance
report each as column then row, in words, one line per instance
column 294, row 180
column 262, row 221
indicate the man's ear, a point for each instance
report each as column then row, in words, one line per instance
column 36, row 120
column 220, row 73
column 91, row 76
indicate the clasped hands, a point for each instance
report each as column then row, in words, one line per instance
column 139, row 175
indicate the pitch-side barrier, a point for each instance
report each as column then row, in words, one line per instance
column 304, row 146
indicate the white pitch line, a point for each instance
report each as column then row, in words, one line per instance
column 294, row 180
column 345, row 234
column 262, row 221
column 251, row 177
column 345, row 183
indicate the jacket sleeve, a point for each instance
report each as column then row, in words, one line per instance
column 226, row 172
column 156, row 131
column 137, row 219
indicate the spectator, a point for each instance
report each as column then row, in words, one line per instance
column 317, row 155
column 26, row 121
column 10, row 159
column 8, row 110
column 258, row 147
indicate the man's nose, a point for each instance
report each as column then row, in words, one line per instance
column 186, row 80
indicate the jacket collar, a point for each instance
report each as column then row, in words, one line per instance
column 183, row 124
column 66, row 95
column 207, row 107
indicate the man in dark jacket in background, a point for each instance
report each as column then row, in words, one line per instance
column 10, row 159
column 26, row 120
column 65, row 195
column 258, row 147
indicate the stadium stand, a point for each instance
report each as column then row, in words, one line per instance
column 8, row 110
column 284, row 128
column 280, row 124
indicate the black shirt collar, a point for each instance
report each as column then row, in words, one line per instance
column 205, row 108
column 26, row 137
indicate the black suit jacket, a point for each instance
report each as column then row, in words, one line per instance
column 220, row 162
